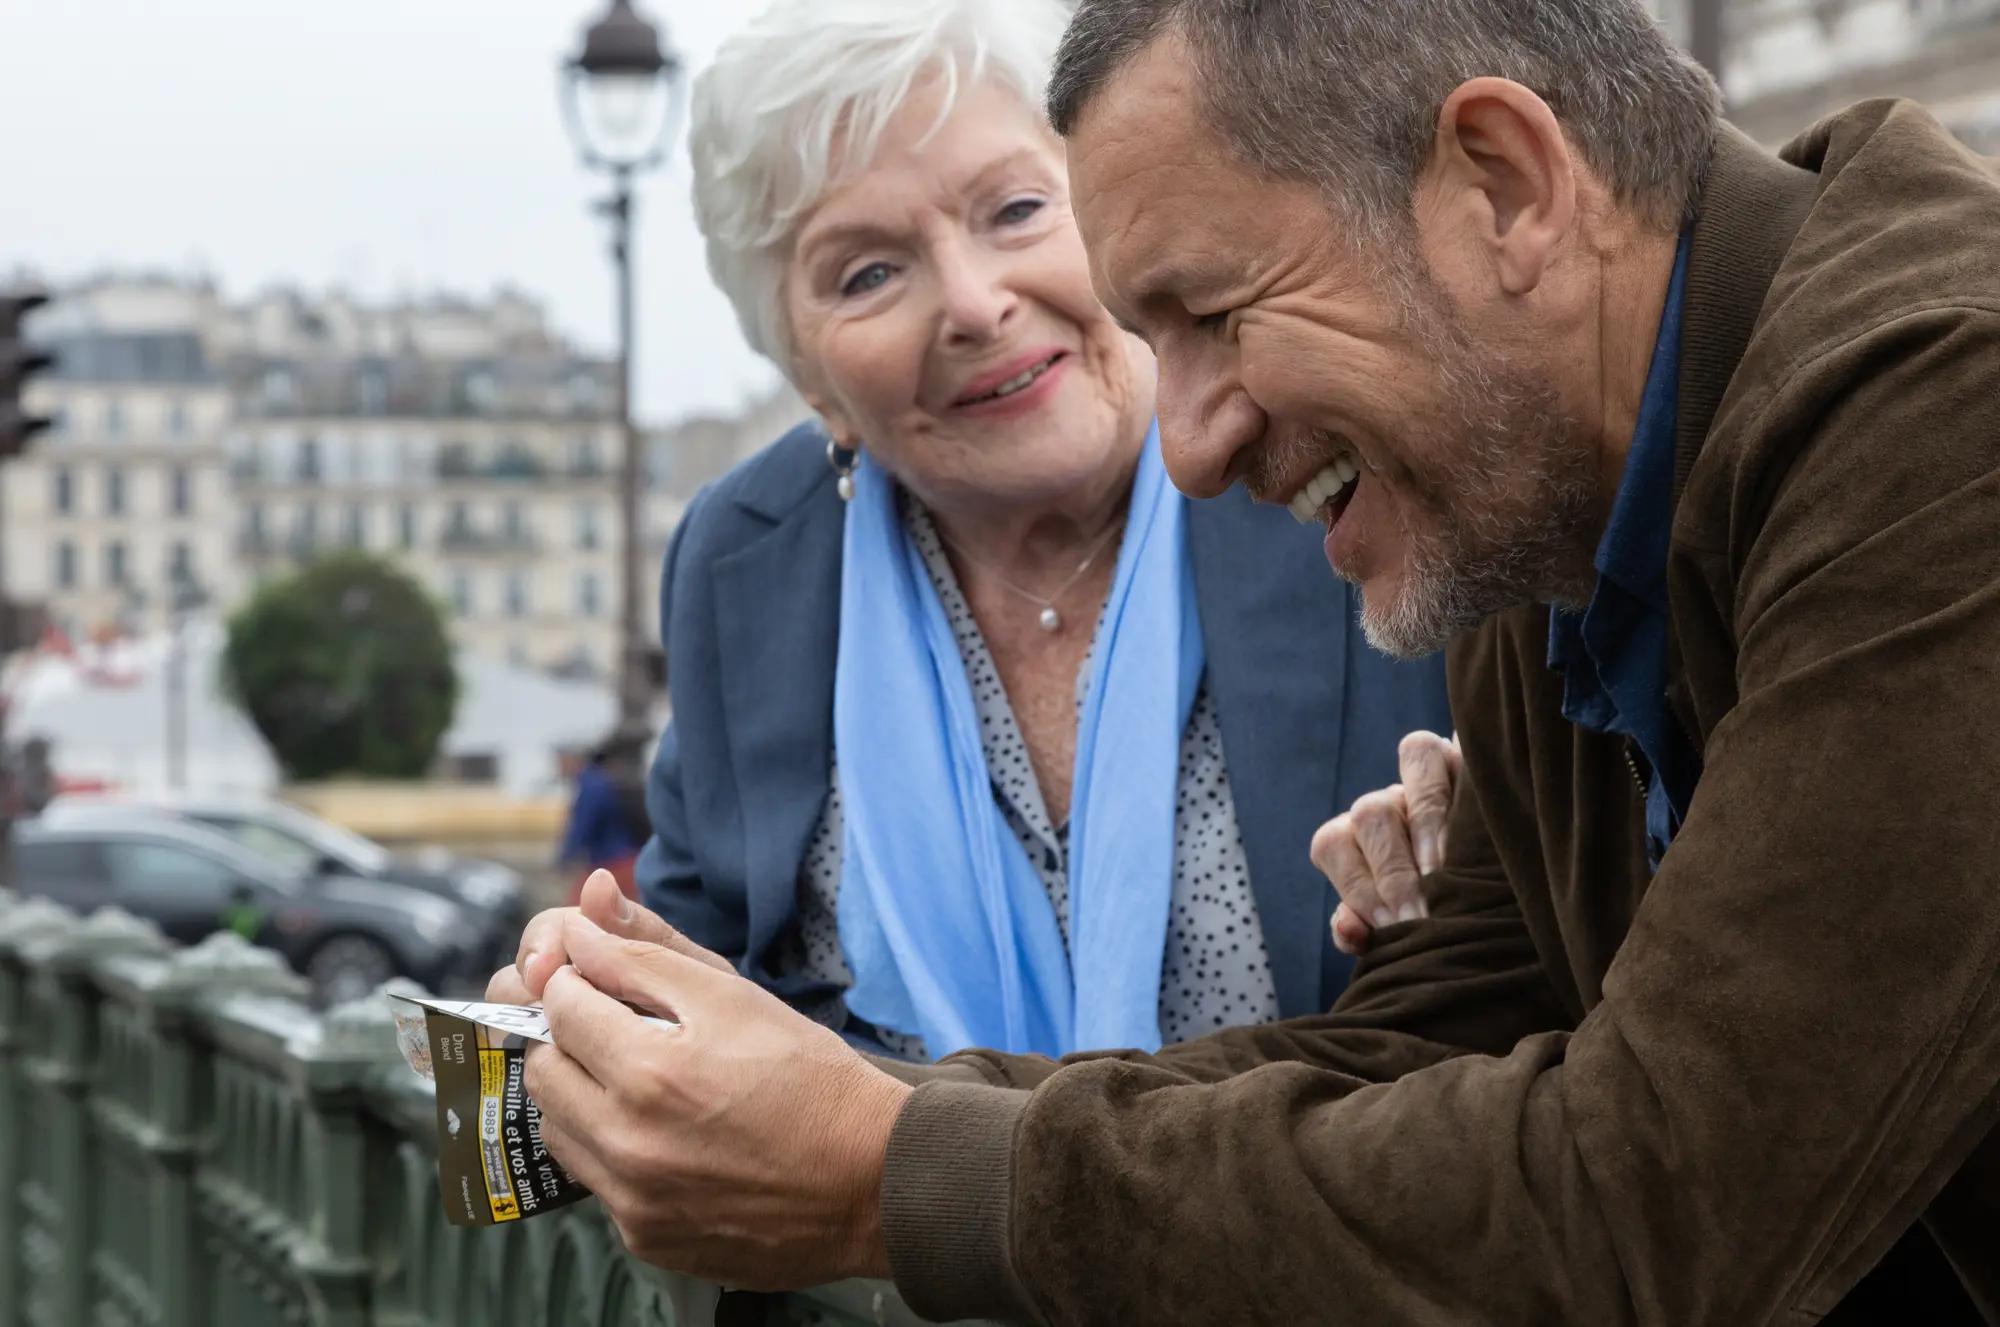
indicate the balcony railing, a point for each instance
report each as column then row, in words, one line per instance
column 471, row 540
column 184, row 1143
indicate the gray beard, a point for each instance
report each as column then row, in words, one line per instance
column 1513, row 517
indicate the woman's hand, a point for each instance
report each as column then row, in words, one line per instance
column 605, row 906
column 1377, row 853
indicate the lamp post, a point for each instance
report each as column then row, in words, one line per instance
column 184, row 596
column 622, row 97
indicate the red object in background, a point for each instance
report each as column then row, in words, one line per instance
column 623, row 871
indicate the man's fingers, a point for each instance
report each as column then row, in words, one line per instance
column 1340, row 859
column 1382, row 832
column 506, row 987
column 652, row 977
column 602, row 1035
column 1429, row 766
column 541, row 951
column 567, row 1098
column 607, row 907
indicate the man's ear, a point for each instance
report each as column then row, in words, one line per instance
column 1502, row 171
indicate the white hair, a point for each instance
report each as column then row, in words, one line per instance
column 797, row 102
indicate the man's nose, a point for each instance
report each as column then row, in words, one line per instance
column 1206, row 429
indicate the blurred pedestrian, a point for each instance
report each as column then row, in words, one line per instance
column 607, row 817
column 35, row 780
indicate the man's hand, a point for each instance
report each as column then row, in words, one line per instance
column 1376, row 853
column 745, row 1147
column 604, row 905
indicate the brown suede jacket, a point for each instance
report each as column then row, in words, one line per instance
column 1760, row 1086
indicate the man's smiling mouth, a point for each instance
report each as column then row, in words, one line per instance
column 1322, row 498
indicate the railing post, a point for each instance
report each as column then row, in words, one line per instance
column 334, row 1064
column 62, row 988
column 21, row 923
column 224, row 964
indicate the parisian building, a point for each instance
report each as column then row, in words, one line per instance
column 202, row 447
column 1787, row 63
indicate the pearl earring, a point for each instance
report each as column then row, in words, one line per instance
column 843, row 460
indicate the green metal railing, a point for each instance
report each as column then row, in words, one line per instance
column 183, row 1143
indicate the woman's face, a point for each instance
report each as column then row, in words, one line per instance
column 942, row 315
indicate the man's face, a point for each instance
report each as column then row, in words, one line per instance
column 1361, row 393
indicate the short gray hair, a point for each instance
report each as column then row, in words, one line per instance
column 1345, row 94
column 797, row 102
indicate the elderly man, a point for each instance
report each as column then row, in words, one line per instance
column 1693, row 455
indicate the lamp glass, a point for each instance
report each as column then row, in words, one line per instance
column 623, row 116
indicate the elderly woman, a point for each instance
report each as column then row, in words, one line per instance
column 983, row 734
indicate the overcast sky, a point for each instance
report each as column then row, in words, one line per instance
column 387, row 146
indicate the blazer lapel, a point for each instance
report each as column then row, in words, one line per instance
column 777, row 610
column 1275, row 622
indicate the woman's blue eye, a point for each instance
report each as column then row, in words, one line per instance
column 865, row 280
column 1018, row 211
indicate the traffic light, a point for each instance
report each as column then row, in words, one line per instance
column 18, row 360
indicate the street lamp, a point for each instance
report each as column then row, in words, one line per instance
column 622, row 97
column 184, row 596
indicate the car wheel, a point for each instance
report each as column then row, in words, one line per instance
column 349, row 967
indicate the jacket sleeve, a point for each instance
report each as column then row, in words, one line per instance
column 669, row 881
column 1796, row 1047
column 1467, row 980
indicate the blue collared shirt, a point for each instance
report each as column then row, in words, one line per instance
column 1613, row 654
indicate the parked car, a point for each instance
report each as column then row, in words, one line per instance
column 346, row 934
column 307, row 845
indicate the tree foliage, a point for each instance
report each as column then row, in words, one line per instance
column 346, row 669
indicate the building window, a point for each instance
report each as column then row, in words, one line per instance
column 253, row 520
column 65, row 576
column 277, row 390
column 114, row 563
column 114, row 492
column 517, row 594
column 589, row 532
column 585, row 459
column 177, row 420
column 180, row 564
column 356, row 531
column 589, row 595
column 461, row 594
column 511, row 522
column 481, row 393
column 306, row 528
column 180, row 496
column 311, row 468
column 406, row 525
column 64, row 496
column 374, row 391
column 114, row 419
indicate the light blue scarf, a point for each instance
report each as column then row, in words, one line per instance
column 945, row 923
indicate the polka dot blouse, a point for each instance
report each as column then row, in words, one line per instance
column 1216, row 972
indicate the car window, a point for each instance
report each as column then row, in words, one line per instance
column 167, row 875
column 280, row 849
column 58, row 862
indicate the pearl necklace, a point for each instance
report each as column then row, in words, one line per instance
column 1051, row 621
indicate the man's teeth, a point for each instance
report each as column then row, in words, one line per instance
column 1012, row 385
column 1323, row 488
